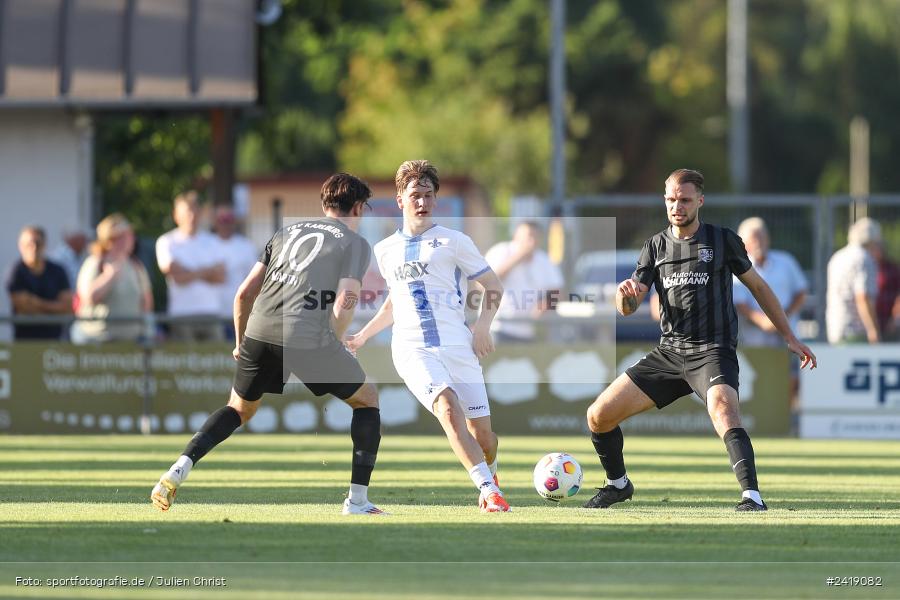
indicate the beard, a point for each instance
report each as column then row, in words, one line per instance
column 687, row 223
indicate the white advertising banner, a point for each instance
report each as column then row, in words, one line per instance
column 855, row 393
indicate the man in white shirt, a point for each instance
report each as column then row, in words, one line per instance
column 786, row 279
column 239, row 255
column 852, row 287
column 783, row 274
column 427, row 268
column 192, row 262
column 529, row 279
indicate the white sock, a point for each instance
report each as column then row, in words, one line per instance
column 482, row 478
column 753, row 495
column 493, row 467
column 182, row 467
column 359, row 494
column 619, row 483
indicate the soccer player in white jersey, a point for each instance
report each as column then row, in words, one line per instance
column 427, row 268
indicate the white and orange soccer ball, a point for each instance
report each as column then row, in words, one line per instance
column 557, row 477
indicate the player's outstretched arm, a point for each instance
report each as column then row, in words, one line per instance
column 767, row 300
column 243, row 302
column 482, row 343
column 629, row 296
column 383, row 318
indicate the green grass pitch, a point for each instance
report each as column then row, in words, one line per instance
column 264, row 512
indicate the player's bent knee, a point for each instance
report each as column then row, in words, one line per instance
column 244, row 408
column 598, row 419
column 365, row 397
column 446, row 408
column 723, row 412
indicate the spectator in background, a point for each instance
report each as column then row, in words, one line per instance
column 852, row 286
column 113, row 283
column 786, row 279
column 71, row 252
column 192, row 262
column 783, row 274
column 37, row 286
column 239, row 255
column 887, row 300
column 529, row 279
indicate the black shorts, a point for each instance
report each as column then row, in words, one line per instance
column 264, row 368
column 666, row 376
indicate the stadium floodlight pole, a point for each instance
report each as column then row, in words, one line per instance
column 557, row 108
column 739, row 115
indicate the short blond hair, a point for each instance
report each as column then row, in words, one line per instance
column 111, row 226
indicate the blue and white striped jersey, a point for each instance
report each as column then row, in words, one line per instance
column 427, row 276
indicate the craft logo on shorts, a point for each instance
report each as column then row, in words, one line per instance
column 706, row 255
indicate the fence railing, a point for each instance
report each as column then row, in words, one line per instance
column 809, row 227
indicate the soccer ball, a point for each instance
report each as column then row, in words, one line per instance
column 557, row 477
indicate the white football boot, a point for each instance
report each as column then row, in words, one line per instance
column 360, row 509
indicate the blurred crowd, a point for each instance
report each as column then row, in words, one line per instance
column 104, row 283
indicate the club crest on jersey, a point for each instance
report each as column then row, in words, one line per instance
column 411, row 270
column 705, row 255
column 435, row 243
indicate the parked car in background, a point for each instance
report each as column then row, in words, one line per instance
column 596, row 276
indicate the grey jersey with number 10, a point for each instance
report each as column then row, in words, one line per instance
column 304, row 263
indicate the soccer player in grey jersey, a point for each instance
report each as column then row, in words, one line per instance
column 303, row 292
column 690, row 264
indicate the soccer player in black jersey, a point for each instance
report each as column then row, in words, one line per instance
column 303, row 293
column 690, row 264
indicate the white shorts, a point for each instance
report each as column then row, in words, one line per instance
column 429, row 371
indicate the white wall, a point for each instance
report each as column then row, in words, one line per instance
column 45, row 178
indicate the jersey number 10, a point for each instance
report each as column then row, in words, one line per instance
column 292, row 246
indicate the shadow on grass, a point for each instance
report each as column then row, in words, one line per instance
column 423, row 581
column 388, row 460
column 292, row 491
column 485, row 538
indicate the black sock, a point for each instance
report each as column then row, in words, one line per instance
column 217, row 427
column 740, row 451
column 609, row 448
column 365, row 431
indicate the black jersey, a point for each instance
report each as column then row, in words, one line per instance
column 693, row 280
column 304, row 263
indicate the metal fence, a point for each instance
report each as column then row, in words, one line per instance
column 809, row 227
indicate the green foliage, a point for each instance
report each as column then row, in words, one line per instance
column 817, row 64
column 305, row 56
column 363, row 86
column 461, row 84
column 143, row 162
